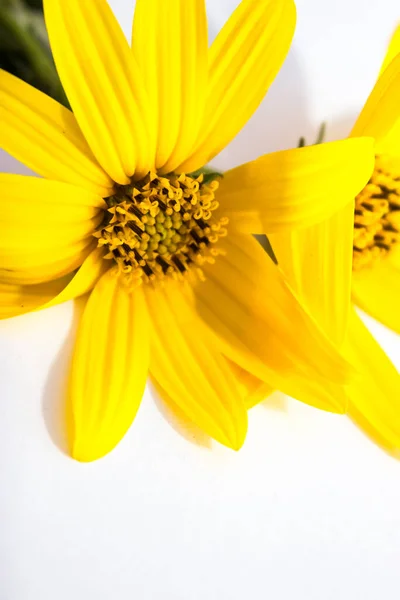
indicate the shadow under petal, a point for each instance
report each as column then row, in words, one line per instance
column 55, row 391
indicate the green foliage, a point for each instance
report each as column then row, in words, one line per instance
column 24, row 46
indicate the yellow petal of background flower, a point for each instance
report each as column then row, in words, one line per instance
column 380, row 117
column 46, row 226
column 45, row 136
column 244, row 60
column 109, row 368
column 318, row 261
column 295, row 188
column 186, row 365
column 19, row 299
column 393, row 49
column 375, row 396
column 170, row 44
column 377, row 291
column 103, row 84
column 260, row 324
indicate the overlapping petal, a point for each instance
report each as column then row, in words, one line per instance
column 261, row 325
column 19, row 299
column 296, row 188
column 103, row 85
column 45, row 136
column 254, row 390
column 47, row 228
column 186, row 364
column 109, row 368
column 317, row 261
column 244, row 60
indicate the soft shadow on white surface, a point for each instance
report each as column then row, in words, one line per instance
column 55, row 390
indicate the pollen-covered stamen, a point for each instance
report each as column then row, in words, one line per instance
column 377, row 214
column 162, row 226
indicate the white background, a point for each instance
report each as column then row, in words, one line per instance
column 308, row 510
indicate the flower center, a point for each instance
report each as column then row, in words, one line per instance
column 162, row 226
column 377, row 214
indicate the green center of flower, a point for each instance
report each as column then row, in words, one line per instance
column 162, row 226
column 377, row 214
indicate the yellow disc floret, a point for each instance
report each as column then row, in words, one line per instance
column 162, row 226
column 377, row 214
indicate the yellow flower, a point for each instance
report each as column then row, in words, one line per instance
column 357, row 253
column 121, row 204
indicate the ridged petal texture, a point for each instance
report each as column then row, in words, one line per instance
column 295, row 188
column 318, row 261
column 109, row 368
column 193, row 373
column 244, row 60
column 45, row 136
column 103, row 85
column 261, row 325
column 170, row 44
column 46, row 226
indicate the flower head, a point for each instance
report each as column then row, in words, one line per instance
column 359, row 259
column 180, row 289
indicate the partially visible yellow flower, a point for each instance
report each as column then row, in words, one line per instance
column 121, row 204
column 357, row 253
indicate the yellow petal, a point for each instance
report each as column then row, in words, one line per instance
column 377, row 291
column 84, row 280
column 317, row 262
column 109, row 368
column 170, row 45
column 295, row 188
column 380, row 117
column 46, row 226
column 179, row 420
column 244, row 60
column 375, row 395
column 103, row 84
column 185, row 364
column 45, row 136
column 260, row 324
column 253, row 389
column 44, row 265
column 393, row 49
column 19, row 299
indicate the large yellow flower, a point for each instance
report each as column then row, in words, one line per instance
column 120, row 202
column 357, row 252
